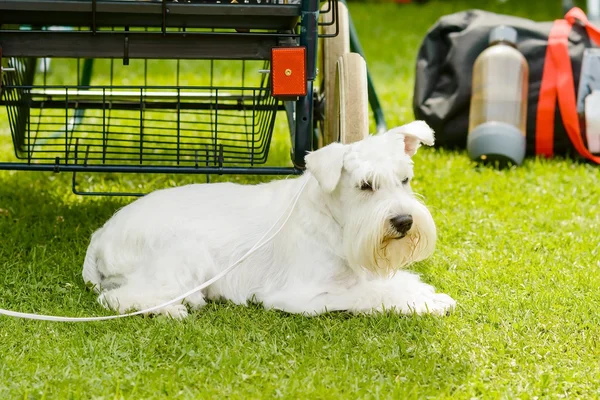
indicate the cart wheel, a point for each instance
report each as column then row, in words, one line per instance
column 332, row 49
column 351, row 100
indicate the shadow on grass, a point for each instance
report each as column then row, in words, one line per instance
column 44, row 233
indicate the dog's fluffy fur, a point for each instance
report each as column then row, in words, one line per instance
column 339, row 250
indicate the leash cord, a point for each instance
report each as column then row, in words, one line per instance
column 220, row 275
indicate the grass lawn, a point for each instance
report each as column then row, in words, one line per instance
column 519, row 250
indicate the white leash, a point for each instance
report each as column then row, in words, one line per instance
column 256, row 247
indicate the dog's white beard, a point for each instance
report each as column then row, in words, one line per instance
column 371, row 242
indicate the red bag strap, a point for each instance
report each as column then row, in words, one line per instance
column 544, row 124
column 557, row 82
column 576, row 15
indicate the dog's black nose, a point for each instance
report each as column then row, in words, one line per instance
column 402, row 223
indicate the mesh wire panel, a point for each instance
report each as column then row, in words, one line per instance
column 114, row 122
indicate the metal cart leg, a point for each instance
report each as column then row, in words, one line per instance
column 290, row 111
column 304, row 106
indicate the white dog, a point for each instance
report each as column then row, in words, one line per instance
column 355, row 225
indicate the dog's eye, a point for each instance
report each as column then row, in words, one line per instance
column 366, row 186
column 405, row 181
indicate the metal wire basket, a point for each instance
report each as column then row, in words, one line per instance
column 199, row 122
column 211, row 126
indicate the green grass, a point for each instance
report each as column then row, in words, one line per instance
column 518, row 249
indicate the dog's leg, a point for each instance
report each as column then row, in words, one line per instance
column 300, row 301
column 159, row 280
column 136, row 296
column 129, row 298
column 405, row 293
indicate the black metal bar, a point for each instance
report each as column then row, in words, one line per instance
column 29, row 147
column 74, row 177
column 303, row 138
column 104, row 132
column 150, row 170
column 94, row 9
column 207, row 164
column 141, row 125
column 254, row 94
column 96, row 105
column 140, row 45
column 164, row 16
column 67, row 123
column 112, row 194
column 178, row 117
column 24, row 74
column 145, row 7
column 221, row 158
column 78, row 69
column 126, row 47
column 290, row 111
column 29, row 86
column 76, row 159
column 136, row 13
column 309, row 33
column 45, row 73
column 267, row 138
column 74, row 182
column 215, row 133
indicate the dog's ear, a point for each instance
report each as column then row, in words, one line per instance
column 415, row 133
column 326, row 165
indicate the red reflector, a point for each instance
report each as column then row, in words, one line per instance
column 288, row 71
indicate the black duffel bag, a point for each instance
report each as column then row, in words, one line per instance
column 444, row 71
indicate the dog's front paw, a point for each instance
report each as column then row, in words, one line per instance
column 177, row 311
column 124, row 303
column 430, row 303
column 424, row 301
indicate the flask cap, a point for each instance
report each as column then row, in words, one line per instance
column 503, row 33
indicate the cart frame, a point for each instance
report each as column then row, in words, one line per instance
column 280, row 26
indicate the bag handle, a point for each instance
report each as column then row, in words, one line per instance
column 576, row 15
column 557, row 83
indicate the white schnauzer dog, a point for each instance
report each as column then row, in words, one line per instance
column 356, row 224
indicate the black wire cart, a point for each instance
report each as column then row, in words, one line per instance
column 97, row 120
